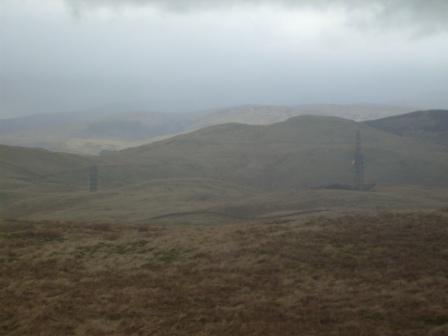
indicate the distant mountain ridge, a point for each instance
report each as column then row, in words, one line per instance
column 91, row 132
column 431, row 125
column 302, row 152
column 265, row 115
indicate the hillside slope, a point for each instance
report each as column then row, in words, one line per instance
column 431, row 125
column 228, row 172
column 27, row 166
column 302, row 152
column 137, row 203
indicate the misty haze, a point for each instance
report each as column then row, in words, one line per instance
column 243, row 167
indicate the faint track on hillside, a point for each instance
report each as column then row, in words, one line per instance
column 226, row 215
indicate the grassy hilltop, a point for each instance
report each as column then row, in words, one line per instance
column 378, row 275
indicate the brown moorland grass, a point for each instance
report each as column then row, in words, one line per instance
column 353, row 275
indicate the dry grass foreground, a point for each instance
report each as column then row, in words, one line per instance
column 353, row 275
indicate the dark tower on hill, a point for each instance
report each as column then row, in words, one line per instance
column 93, row 179
column 358, row 164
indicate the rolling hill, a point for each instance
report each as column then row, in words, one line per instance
column 431, row 126
column 119, row 127
column 229, row 172
column 31, row 165
column 28, row 174
column 301, row 152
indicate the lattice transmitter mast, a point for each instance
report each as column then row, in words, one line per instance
column 358, row 164
column 93, row 179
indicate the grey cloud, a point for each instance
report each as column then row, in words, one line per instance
column 175, row 62
column 421, row 16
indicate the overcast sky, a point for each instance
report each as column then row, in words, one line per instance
column 181, row 55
